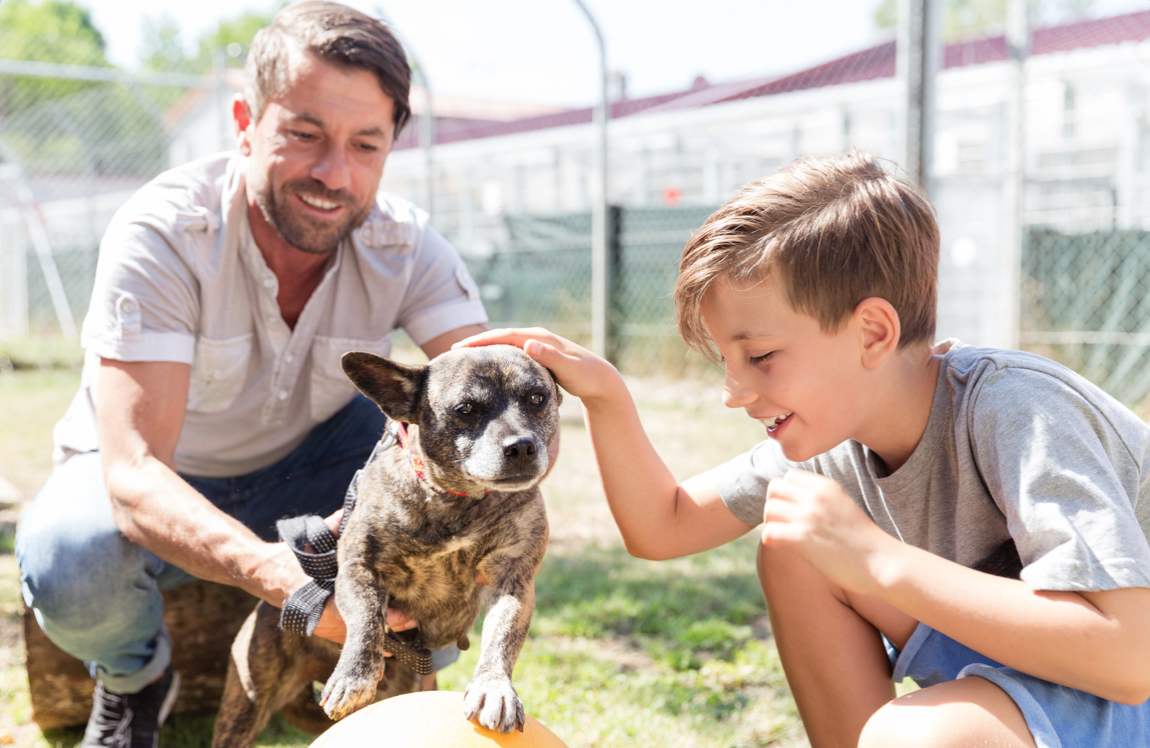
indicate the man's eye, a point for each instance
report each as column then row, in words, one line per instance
column 538, row 399
column 465, row 409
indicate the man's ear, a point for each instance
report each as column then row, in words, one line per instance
column 879, row 330
column 393, row 386
column 242, row 120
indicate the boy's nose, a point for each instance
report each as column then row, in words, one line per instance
column 736, row 395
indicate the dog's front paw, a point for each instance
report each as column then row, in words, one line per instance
column 494, row 703
column 344, row 693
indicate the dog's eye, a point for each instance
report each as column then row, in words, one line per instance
column 465, row 410
column 538, row 399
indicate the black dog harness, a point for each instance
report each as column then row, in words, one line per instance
column 302, row 611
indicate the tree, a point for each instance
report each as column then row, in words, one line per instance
column 965, row 18
column 52, row 31
column 164, row 50
column 238, row 31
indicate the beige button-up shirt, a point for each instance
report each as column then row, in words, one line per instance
column 180, row 278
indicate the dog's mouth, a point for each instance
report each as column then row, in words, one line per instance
column 517, row 482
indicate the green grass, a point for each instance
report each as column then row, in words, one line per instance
column 622, row 652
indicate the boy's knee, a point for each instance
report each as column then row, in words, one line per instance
column 969, row 711
column 896, row 725
column 781, row 570
column 904, row 723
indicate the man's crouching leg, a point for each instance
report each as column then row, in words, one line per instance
column 97, row 597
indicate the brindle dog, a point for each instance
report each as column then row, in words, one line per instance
column 480, row 421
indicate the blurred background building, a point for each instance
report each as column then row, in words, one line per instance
column 1062, row 270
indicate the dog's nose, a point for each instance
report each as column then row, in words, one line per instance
column 519, row 450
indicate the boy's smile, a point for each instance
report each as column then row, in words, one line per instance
column 800, row 382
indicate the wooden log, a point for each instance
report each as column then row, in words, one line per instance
column 202, row 618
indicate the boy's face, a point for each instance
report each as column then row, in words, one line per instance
column 803, row 384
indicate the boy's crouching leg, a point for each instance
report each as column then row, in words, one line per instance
column 834, row 658
column 955, row 714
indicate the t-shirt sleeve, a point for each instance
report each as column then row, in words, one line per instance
column 441, row 295
column 1064, row 478
column 742, row 482
column 144, row 304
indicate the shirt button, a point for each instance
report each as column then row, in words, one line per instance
column 282, row 394
column 269, row 282
column 217, row 374
column 271, row 319
column 289, row 357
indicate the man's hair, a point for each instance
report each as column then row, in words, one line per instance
column 836, row 230
column 336, row 34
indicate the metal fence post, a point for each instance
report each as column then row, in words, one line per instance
column 919, row 58
column 600, row 292
column 1018, row 45
column 614, row 279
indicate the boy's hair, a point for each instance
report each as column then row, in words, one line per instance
column 335, row 33
column 837, row 230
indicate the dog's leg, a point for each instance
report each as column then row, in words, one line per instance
column 362, row 603
column 263, row 673
column 490, row 696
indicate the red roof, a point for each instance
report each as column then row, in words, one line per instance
column 872, row 63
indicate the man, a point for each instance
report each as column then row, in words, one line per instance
column 212, row 401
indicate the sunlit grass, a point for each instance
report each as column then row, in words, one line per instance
column 622, row 652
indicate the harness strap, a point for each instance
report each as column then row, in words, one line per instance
column 303, row 609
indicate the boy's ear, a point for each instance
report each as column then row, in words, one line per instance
column 879, row 330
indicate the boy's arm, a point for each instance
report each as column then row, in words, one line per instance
column 1098, row 642
column 658, row 517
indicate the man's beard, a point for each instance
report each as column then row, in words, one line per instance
column 297, row 228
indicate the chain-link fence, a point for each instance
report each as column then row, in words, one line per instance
column 513, row 195
column 542, row 275
column 1086, row 305
column 75, row 143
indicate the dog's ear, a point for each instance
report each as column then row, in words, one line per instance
column 393, row 386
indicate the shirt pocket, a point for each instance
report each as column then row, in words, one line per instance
column 219, row 370
column 330, row 387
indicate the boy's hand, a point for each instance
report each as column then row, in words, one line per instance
column 814, row 516
column 578, row 370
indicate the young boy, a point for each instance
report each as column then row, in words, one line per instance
column 891, row 469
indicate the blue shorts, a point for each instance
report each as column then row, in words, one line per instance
column 1058, row 716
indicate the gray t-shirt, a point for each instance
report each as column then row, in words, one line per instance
column 1016, row 446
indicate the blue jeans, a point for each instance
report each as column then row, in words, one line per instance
column 97, row 595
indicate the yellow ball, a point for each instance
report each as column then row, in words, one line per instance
column 431, row 719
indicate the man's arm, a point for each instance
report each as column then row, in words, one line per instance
column 140, row 411
column 442, row 343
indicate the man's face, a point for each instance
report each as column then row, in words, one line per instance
column 317, row 153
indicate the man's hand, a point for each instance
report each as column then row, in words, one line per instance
column 331, row 624
column 814, row 516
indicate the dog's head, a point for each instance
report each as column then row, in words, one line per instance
column 485, row 416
